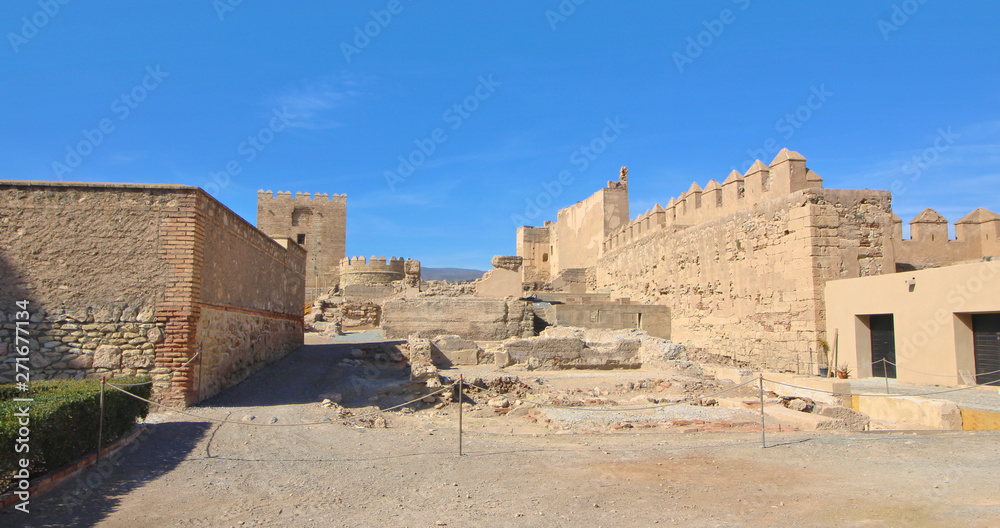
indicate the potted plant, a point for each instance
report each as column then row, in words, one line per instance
column 843, row 372
column 823, row 361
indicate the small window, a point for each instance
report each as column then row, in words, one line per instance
column 545, row 257
column 301, row 238
column 301, row 216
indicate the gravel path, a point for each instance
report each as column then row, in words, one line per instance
column 191, row 472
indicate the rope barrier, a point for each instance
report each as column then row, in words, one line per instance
column 166, row 376
column 937, row 375
column 879, row 395
column 216, row 420
column 760, row 379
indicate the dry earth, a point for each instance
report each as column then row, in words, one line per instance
column 190, row 472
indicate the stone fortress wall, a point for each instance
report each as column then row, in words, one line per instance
column 786, row 174
column 575, row 239
column 742, row 265
column 318, row 223
column 977, row 235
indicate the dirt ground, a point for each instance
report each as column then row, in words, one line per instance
column 186, row 471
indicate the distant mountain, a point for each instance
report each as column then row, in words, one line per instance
column 450, row 274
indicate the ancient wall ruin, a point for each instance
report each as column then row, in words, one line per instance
column 137, row 279
column 469, row 317
column 535, row 247
column 316, row 222
column 742, row 269
column 652, row 318
column 575, row 239
column 504, row 280
column 977, row 235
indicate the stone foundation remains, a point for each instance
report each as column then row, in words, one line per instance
column 467, row 317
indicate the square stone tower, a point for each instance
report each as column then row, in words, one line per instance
column 318, row 223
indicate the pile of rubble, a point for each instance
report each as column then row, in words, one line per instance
column 570, row 347
column 447, row 289
column 332, row 316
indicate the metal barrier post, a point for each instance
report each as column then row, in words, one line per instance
column 885, row 374
column 460, row 397
column 100, row 424
column 763, row 440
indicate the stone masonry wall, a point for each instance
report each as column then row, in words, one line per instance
column 118, row 276
column 750, row 284
column 250, row 299
column 87, row 261
column 235, row 343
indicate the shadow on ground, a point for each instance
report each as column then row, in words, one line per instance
column 310, row 374
column 90, row 497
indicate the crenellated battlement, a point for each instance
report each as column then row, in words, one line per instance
column 287, row 195
column 786, row 174
column 977, row 235
column 373, row 263
column 371, row 271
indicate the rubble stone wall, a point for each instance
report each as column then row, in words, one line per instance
column 751, row 284
column 234, row 343
column 118, row 275
column 250, row 299
column 86, row 259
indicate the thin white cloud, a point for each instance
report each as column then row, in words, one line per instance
column 313, row 104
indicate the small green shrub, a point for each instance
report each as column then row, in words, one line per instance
column 64, row 421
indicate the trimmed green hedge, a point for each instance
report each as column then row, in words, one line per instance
column 64, row 420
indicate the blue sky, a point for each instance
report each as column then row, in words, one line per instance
column 883, row 94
